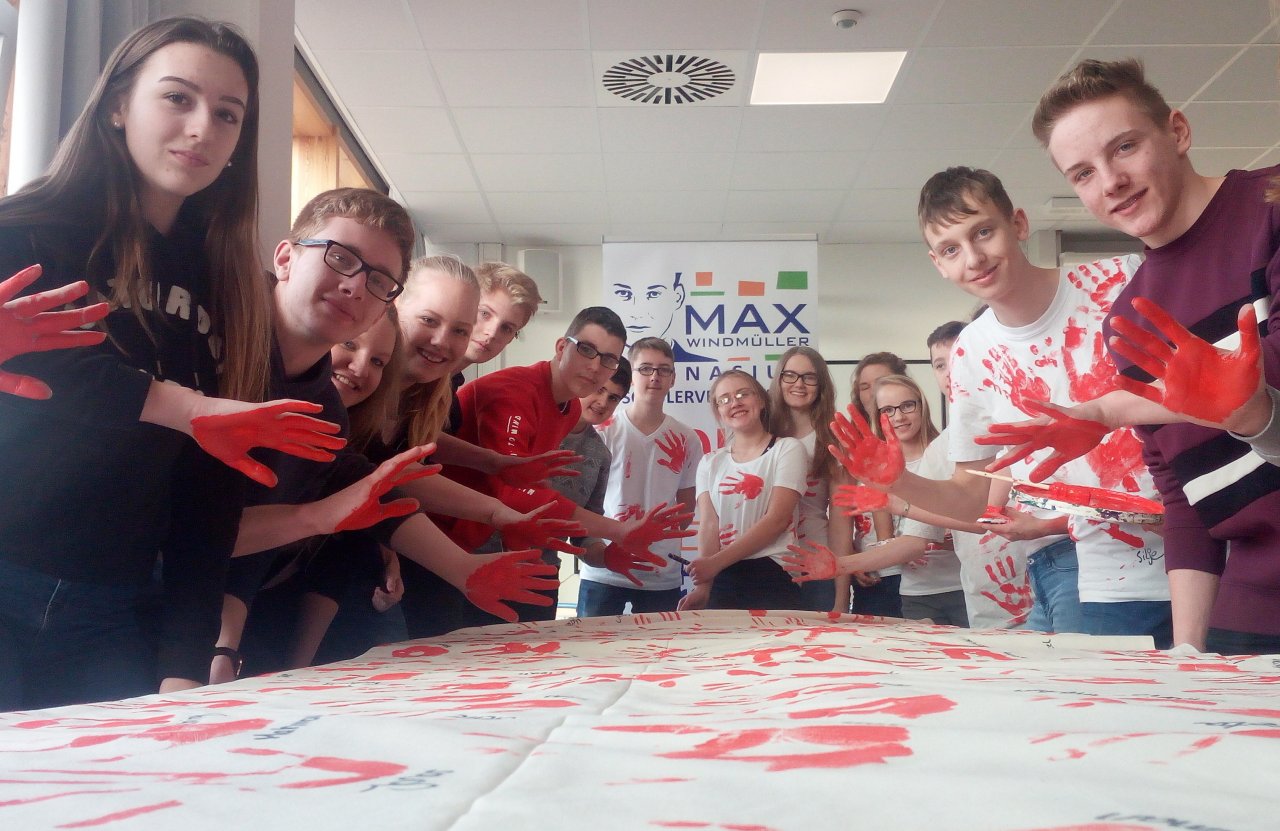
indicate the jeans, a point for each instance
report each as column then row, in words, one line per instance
column 881, row 599
column 66, row 642
column 1053, row 572
column 943, row 608
column 1131, row 617
column 603, row 600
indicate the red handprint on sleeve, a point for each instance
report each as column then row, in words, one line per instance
column 676, row 450
column 1015, row 597
column 747, row 484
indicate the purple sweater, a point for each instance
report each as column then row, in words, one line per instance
column 1216, row 491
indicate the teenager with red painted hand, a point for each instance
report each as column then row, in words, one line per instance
column 753, row 484
column 151, row 199
column 28, row 324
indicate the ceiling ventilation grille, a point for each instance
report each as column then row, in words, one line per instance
column 668, row 79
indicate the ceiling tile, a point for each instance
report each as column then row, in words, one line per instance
column 528, row 129
column 805, row 25
column 923, row 126
column 789, row 171
column 668, row 129
column 448, row 208
column 500, row 24
column 407, row 129
column 541, row 234
column 906, row 169
column 1251, row 78
column 445, row 233
column 1021, row 23
column 1217, row 161
column 963, row 76
column 799, row 206
column 1226, row 124
column 515, row 78
column 898, row 204
column 639, row 207
column 384, row 24
column 1022, row 167
column 666, row 232
column 831, row 128
column 364, row 78
column 428, row 171
column 1185, row 21
column 564, row 171
column 529, row 207
column 875, row 232
column 673, row 24
column 667, row 171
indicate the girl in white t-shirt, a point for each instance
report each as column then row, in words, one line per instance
column 748, row 503
column 802, row 405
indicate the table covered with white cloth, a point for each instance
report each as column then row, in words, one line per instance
column 740, row 721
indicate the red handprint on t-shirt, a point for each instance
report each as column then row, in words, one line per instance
column 1016, row 597
column 747, row 484
column 626, row 512
column 727, row 535
column 676, row 450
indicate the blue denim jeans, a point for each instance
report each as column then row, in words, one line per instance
column 65, row 642
column 881, row 599
column 1131, row 617
column 1054, row 571
column 603, row 600
column 818, row 595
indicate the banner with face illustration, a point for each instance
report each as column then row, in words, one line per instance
column 722, row 305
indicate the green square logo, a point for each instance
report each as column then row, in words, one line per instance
column 793, row 280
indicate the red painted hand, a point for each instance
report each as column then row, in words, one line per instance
column 993, row 515
column 813, row 561
column 859, row 499
column 1193, row 377
column 511, row 577
column 661, row 523
column 624, row 561
column 27, row 325
column 676, row 450
column 279, row 425
column 394, row 471
column 539, row 532
column 747, row 484
column 1070, row 438
column 536, row 470
column 867, row 458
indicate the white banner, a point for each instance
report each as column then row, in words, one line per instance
column 722, row 305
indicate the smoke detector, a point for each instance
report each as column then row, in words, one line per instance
column 668, row 79
column 846, row 18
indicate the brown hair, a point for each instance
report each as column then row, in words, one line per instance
column 92, row 181
column 656, row 344
column 895, row 364
column 927, row 429
column 426, row 406
column 372, row 415
column 1091, row 80
column 368, row 207
column 822, row 412
column 759, row 390
column 949, row 196
column 520, row 287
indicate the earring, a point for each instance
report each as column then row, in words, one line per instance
column 115, row 123
column 228, row 164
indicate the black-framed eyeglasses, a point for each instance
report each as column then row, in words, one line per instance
column 663, row 371
column 345, row 261
column 721, row 400
column 790, row 376
column 906, row 407
column 588, row 351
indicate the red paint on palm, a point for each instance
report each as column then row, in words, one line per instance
column 865, row 456
column 747, row 484
column 1199, row 380
column 393, row 472
column 813, row 561
column 994, row 515
column 543, row 533
column 536, row 470
column 27, row 324
column 625, row 561
column 675, row 448
column 661, row 523
column 859, row 499
column 511, row 577
column 1069, row 438
column 278, row 425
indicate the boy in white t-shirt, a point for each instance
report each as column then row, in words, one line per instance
column 1039, row 340
column 655, row 461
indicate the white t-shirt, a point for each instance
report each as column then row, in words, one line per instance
column 941, row 570
column 993, row 570
column 647, row 470
column 740, row 491
column 1062, row 358
column 815, row 498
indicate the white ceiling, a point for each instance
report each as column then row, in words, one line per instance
column 489, row 118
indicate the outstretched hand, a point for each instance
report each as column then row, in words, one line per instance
column 624, row 561
column 1193, row 378
column 812, row 561
column 369, row 490
column 661, row 523
column 510, row 577
column 27, row 325
column 539, row 532
column 1070, row 438
column 534, row 471
column 859, row 499
column 229, row 435
column 867, row 458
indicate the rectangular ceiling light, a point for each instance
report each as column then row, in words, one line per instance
column 825, row 77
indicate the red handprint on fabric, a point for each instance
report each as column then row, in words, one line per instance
column 844, row 745
column 859, row 499
column 747, row 484
column 1015, row 597
column 676, row 449
column 727, row 535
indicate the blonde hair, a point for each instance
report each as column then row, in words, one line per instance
column 928, row 432
column 756, row 385
column 424, row 407
column 520, row 287
column 370, row 416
